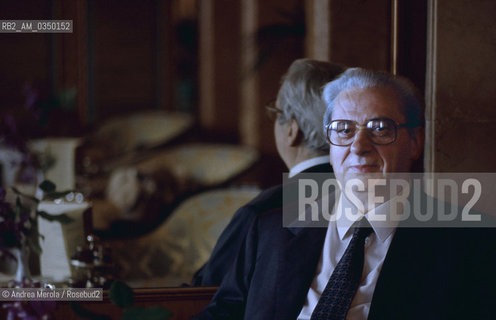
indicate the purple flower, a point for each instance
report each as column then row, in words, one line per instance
column 31, row 310
column 10, row 135
column 3, row 193
column 16, row 124
column 5, row 207
column 42, row 308
column 15, row 225
column 31, row 98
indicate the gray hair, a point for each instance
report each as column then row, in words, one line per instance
column 300, row 98
column 358, row 78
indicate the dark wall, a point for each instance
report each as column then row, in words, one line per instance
column 24, row 58
column 123, row 56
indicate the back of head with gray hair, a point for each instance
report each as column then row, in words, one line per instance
column 358, row 78
column 300, row 98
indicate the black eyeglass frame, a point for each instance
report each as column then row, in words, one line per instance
column 358, row 126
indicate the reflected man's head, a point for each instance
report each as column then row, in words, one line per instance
column 301, row 109
column 374, row 123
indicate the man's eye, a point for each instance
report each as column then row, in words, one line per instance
column 344, row 131
column 380, row 130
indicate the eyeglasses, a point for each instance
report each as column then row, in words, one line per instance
column 272, row 111
column 381, row 131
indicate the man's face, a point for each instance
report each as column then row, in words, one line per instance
column 362, row 157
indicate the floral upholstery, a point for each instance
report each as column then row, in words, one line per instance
column 183, row 243
column 203, row 164
column 142, row 130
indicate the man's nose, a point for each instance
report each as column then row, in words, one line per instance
column 361, row 143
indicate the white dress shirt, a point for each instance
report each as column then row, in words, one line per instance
column 302, row 166
column 338, row 236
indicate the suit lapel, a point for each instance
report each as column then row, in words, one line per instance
column 298, row 263
column 390, row 279
column 404, row 274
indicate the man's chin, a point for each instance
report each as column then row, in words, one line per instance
column 364, row 176
column 363, row 183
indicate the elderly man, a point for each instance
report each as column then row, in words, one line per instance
column 297, row 115
column 362, row 268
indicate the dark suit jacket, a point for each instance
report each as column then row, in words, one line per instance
column 229, row 243
column 428, row 273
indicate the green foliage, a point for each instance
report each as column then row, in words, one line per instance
column 20, row 194
column 87, row 314
column 62, row 218
column 49, row 189
column 47, row 186
column 64, row 100
column 18, row 222
column 150, row 313
column 67, row 98
column 121, row 294
column 34, row 245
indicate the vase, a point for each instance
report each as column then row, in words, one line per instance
column 62, row 150
column 10, row 162
column 22, row 274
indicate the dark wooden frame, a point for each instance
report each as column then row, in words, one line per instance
column 182, row 302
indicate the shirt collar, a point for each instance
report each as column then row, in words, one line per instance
column 382, row 229
column 302, row 166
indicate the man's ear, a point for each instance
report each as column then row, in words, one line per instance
column 294, row 133
column 418, row 142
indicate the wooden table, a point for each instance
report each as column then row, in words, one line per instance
column 182, row 302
